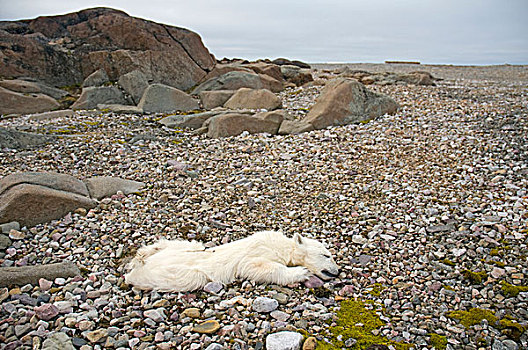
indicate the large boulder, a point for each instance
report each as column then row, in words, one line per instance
column 345, row 101
column 28, row 87
column 159, row 98
column 213, row 99
column 294, row 127
column 95, row 95
column 233, row 124
column 230, row 81
column 22, row 103
column 269, row 69
column 191, row 121
column 23, row 275
column 33, row 198
column 63, row 50
column 17, row 139
column 296, row 75
column 253, row 99
column 134, row 83
column 97, row 78
column 287, row 62
column 105, row 186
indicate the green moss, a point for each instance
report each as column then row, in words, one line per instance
column 509, row 290
column 356, row 321
column 375, row 289
column 447, row 287
column 495, row 252
column 511, row 328
column 447, row 262
column 439, row 342
column 475, row 277
column 496, row 263
column 473, row 316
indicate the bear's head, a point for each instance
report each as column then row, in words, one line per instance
column 315, row 257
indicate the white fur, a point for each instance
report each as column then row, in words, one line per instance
column 265, row 257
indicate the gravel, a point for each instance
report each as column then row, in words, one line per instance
column 406, row 203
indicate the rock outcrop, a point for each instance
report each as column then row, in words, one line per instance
column 159, row 98
column 23, row 103
column 345, row 101
column 63, row 50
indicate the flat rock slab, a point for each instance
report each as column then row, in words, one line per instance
column 17, row 139
column 234, row 124
column 213, row 99
column 253, row 99
column 56, row 181
column 63, row 113
column 15, row 102
column 94, row 95
column 230, row 81
column 159, row 98
column 105, row 186
column 31, row 274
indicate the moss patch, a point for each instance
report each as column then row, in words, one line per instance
column 375, row 289
column 447, row 262
column 437, row 341
column 509, row 290
column 473, row 316
column 475, row 277
column 356, row 321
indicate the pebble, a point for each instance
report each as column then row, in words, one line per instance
column 313, row 282
column 207, row 327
column 46, row 312
column 213, row 287
column 264, row 304
column 284, row 340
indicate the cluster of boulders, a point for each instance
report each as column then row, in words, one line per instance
column 31, row 198
column 388, row 78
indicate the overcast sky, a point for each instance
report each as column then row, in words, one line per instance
column 429, row 31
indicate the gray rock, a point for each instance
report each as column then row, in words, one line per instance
column 510, row 344
column 134, row 83
column 191, row 121
column 296, row 75
column 5, row 242
column 230, row 81
column 120, row 109
column 285, row 340
column 263, row 304
column 97, row 78
column 23, row 275
column 293, row 127
column 58, row 341
column 29, row 87
column 233, row 124
column 346, row 101
column 213, row 287
column 13, row 225
column 253, row 99
column 159, row 98
column 213, row 99
column 19, row 103
column 52, row 115
column 93, row 96
column 214, row 346
column 17, row 139
column 33, row 198
column 105, row 186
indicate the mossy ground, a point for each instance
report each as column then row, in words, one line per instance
column 475, row 277
column 508, row 325
column 438, row 342
column 357, row 319
column 510, row 291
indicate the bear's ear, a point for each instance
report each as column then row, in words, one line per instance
column 297, row 238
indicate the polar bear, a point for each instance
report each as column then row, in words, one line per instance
column 264, row 257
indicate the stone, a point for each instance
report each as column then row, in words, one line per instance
column 95, row 95
column 120, row 109
column 96, row 336
column 97, row 78
column 134, row 83
column 5, row 242
column 46, row 312
column 213, row 287
column 269, row 69
column 19, row 103
column 293, row 127
column 280, row 315
column 29, row 87
column 191, row 312
column 33, row 198
column 207, row 327
column 214, row 346
column 271, row 83
column 105, row 186
column 233, row 124
column 213, row 99
column 230, row 81
column 344, row 101
column 62, row 50
column 17, row 139
column 159, row 98
column 22, row 275
column 285, row 340
column 44, row 284
column 313, row 282
column 253, row 99
column 7, row 227
column 310, row 344
column 264, row 305
column 154, row 315
column 440, row 228
column 58, row 341
column 296, row 75
column 190, row 121
column 63, row 113
column 287, row 62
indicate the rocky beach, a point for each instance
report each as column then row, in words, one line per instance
column 425, row 209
